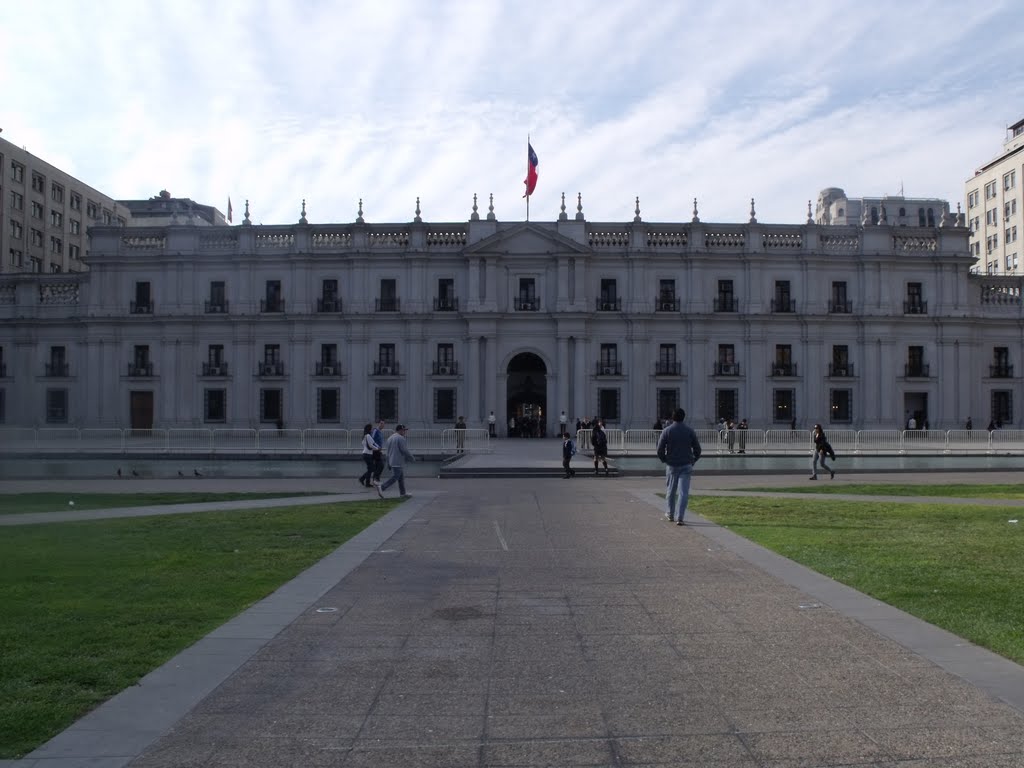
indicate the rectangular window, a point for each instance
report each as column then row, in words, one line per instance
column 16, row 230
column 446, row 301
column 444, row 405
column 215, row 406
column 839, row 301
column 388, row 301
column 1010, row 180
column 74, row 252
column 76, row 201
column 387, row 404
column 215, row 355
column 1002, row 406
column 609, row 299
column 972, row 199
column 218, row 297
column 17, row 201
column 527, row 297
column 990, row 190
column 328, row 405
column 56, row 406
column 783, row 365
column 3, row 406
column 840, row 360
column 37, row 238
column 38, row 183
column 56, row 193
column 272, row 406
column 107, row 217
column 273, row 302
column 17, row 172
column 76, row 226
column 329, row 296
column 17, row 258
column 608, row 405
column 668, row 401
column 840, row 406
column 783, row 405
column 992, row 216
column 92, row 210
column 1010, row 209
column 725, row 301
column 143, row 304
column 783, row 300
column 37, row 210
column 56, row 245
column 271, row 364
column 386, row 354
column 445, row 354
column 726, row 404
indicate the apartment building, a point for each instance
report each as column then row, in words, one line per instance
column 995, row 208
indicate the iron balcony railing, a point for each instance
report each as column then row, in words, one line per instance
column 329, row 368
column 444, row 368
column 271, row 305
column 385, row 369
column 915, row 307
column 784, row 369
column 142, row 370
column 446, row 304
column 272, row 368
column 916, row 370
column 609, row 368
column 56, row 370
column 840, row 307
column 141, row 307
column 215, row 307
column 725, row 304
column 526, row 304
column 666, row 304
column 840, row 371
column 392, row 304
column 328, row 305
column 727, row 369
column 667, row 368
column 219, row 368
column 609, row 304
column 1000, row 371
column 783, row 305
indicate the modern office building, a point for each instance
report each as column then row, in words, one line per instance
column 995, row 212
column 45, row 213
column 835, row 208
column 334, row 325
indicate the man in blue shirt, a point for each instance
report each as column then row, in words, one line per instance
column 679, row 450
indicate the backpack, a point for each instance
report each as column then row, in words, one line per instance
column 572, row 448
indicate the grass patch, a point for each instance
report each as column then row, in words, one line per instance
column 19, row 503
column 91, row 607
column 994, row 491
column 955, row 567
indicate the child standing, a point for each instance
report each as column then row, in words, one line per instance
column 568, row 451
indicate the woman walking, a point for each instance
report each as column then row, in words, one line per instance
column 369, row 446
column 822, row 448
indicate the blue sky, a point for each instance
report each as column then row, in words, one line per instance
column 389, row 101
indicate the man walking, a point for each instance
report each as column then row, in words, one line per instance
column 679, row 450
column 599, row 442
column 398, row 453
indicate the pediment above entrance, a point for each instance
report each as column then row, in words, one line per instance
column 527, row 239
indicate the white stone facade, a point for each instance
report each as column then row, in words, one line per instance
column 995, row 209
column 857, row 327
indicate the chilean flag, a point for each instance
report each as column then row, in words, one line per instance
column 531, row 170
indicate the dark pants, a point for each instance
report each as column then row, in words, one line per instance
column 365, row 477
column 378, row 465
column 569, row 471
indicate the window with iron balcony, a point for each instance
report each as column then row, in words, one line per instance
column 328, row 304
column 271, row 305
column 1000, row 371
column 526, row 304
column 915, row 307
column 783, row 304
column 609, row 368
column 666, row 303
column 56, row 369
column 727, row 369
column 327, row 368
column 387, row 304
column 216, row 307
column 271, row 368
column 667, row 368
column 609, row 304
column 216, row 368
column 445, row 368
column 916, row 370
column 140, row 369
column 784, row 369
column 385, row 368
column 725, row 304
column 840, row 370
column 446, row 304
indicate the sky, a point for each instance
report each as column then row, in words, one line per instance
column 388, row 101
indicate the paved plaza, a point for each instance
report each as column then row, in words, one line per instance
column 548, row 622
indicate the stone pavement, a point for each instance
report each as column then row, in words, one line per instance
column 557, row 623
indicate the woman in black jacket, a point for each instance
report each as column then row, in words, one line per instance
column 822, row 448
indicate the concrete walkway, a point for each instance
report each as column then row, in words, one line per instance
column 554, row 623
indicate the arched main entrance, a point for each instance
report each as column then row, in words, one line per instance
column 527, row 395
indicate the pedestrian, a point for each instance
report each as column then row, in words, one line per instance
column 969, row 425
column 491, row 421
column 822, row 449
column 742, row 429
column 369, row 446
column 568, row 451
column 599, row 441
column 679, row 449
column 378, row 456
column 563, row 420
column 460, row 434
column 398, row 453
column 511, row 426
column 730, row 432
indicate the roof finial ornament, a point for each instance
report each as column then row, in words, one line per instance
column 636, row 217
column 302, row 219
column 474, row 216
column 417, row 219
column 753, row 216
column 490, row 209
column 579, row 206
column 696, row 218
column 563, row 216
column 359, row 214
column 810, row 217
column 245, row 221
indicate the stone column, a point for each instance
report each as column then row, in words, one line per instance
column 564, row 364
column 472, row 382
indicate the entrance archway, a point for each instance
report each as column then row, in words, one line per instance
column 527, row 395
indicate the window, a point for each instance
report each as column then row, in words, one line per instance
column 215, row 365
column 840, row 361
column 1002, row 406
column 608, row 362
column 445, row 354
column 215, row 406
column 874, row 214
column 972, row 198
column 143, row 303
column 1010, row 180
column 328, row 296
column 444, row 405
column 107, row 217
column 608, row 405
column 272, row 406
column 76, row 201
column 17, row 201
column 1001, row 367
column 668, row 401
column 38, row 183
column 328, row 363
column 92, row 210
column 1010, row 209
column 840, row 406
column 272, row 301
column 783, row 405
column 726, row 364
column 784, row 365
column 992, row 216
column 37, row 210
column 446, row 301
column 992, row 242
column 609, row 299
column 915, row 299
column 725, row 301
column 17, row 257
column 17, row 172
column 726, row 404
column 271, row 365
column 56, row 245
column 388, row 301
column 55, row 268
column 76, row 226
column 667, row 364
column 1010, row 236
column 975, row 224
column 527, row 298
column 37, row 238
column 56, row 406
column 58, row 365
column 931, row 217
column 16, row 230
column 990, row 190
column 74, row 252
column 328, row 404
column 57, row 219
column 387, row 404
column 839, row 302
column 915, row 362
column 141, row 365
column 56, row 193
column 35, row 264
column 218, row 297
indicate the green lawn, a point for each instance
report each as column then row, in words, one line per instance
column 90, row 607
column 953, row 566
column 994, row 491
column 18, row 503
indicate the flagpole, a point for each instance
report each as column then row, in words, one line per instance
column 527, row 173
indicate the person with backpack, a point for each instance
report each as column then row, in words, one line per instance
column 822, row 449
column 599, row 442
column 568, row 451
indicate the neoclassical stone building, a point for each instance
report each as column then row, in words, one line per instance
column 333, row 325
